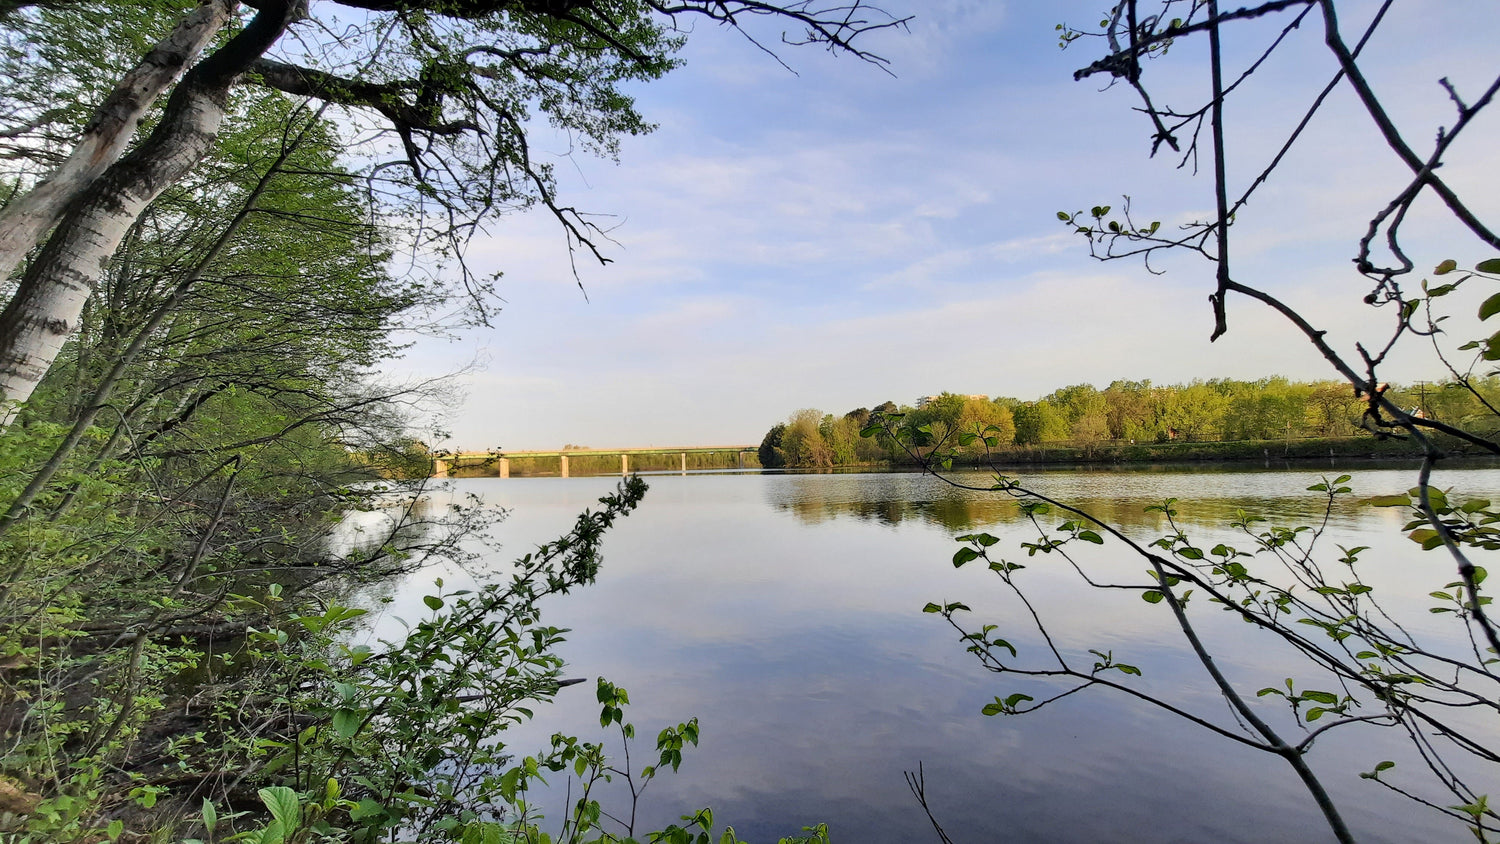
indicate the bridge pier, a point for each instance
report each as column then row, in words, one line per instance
column 445, row 464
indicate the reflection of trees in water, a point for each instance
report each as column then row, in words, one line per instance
column 963, row 510
column 954, row 513
column 401, row 521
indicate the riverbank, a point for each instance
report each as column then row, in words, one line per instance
column 1318, row 448
column 1241, row 451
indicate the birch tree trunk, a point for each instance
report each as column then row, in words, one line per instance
column 49, row 300
column 24, row 221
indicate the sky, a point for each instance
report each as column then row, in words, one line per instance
column 835, row 236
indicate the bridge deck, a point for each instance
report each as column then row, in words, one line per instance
column 697, row 449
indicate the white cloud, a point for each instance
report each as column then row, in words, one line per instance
column 839, row 238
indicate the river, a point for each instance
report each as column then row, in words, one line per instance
column 785, row 612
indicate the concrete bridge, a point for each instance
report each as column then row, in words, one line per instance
column 500, row 460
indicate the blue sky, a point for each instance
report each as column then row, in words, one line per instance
column 841, row 236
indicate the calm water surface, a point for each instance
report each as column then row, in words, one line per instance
column 784, row 611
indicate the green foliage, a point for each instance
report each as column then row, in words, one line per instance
column 803, row 442
column 167, row 496
column 1040, row 422
column 180, row 545
column 770, row 447
column 1116, row 423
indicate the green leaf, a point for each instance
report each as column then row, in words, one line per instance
column 931, row 607
column 1315, row 713
column 1090, row 536
column 114, row 829
column 273, row 833
column 1490, row 266
column 1446, row 267
column 347, row 722
column 210, row 816
column 1422, row 536
column 1388, row 501
column 1321, row 697
column 433, row 602
column 1151, row 596
column 964, row 555
column 283, row 805
column 1490, row 307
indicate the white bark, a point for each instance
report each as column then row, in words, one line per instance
column 24, row 221
column 49, row 301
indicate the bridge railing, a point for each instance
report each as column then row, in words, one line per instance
column 580, row 462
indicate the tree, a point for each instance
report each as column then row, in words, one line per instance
column 950, row 417
column 1271, row 408
column 1085, row 410
column 449, row 89
column 1194, row 413
column 770, row 447
column 1039, row 422
column 1131, row 414
column 1332, row 409
column 986, row 419
column 803, row 443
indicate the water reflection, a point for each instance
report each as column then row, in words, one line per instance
column 785, row 612
column 408, row 520
column 1206, row 498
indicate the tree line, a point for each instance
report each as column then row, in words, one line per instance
column 1205, row 411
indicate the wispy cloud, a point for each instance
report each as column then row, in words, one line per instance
column 841, row 237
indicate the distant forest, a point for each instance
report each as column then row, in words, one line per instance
column 1219, row 410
